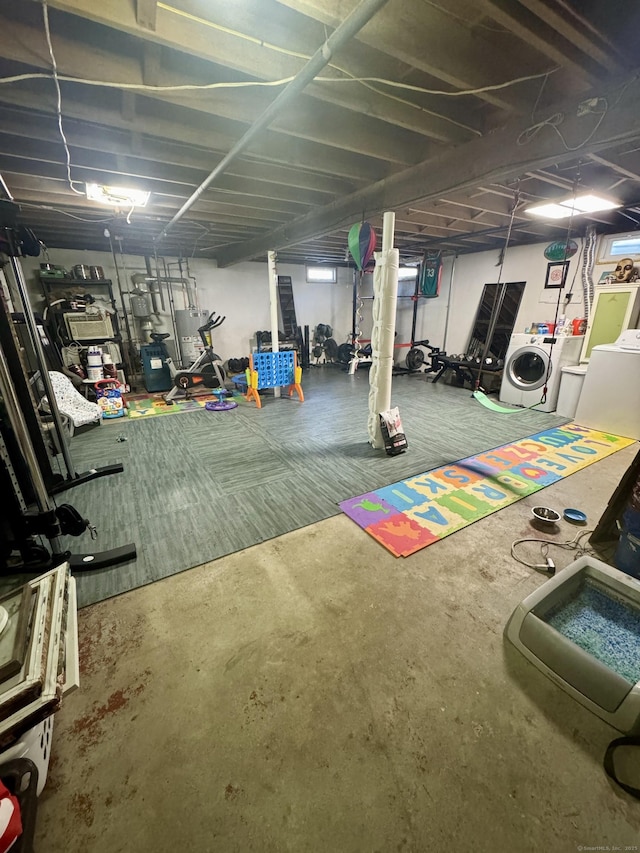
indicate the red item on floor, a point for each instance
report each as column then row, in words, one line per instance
column 10, row 822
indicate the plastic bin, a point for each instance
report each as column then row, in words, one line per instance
column 35, row 745
column 571, row 382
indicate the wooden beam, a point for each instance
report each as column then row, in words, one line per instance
column 307, row 120
column 40, row 158
column 314, row 161
column 493, row 158
column 146, row 13
column 538, row 34
column 615, row 167
column 128, row 106
column 169, row 142
column 49, row 187
column 216, row 39
column 151, row 64
column 435, row 43
column 576, row 33
column 158, row 161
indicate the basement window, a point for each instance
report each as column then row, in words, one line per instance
column 620, row 246
column 322, row 275
column 407, row 273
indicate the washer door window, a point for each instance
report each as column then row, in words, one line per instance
column 527, row 368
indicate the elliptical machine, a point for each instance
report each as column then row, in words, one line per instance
column 205, row 372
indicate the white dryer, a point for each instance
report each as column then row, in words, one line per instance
column 533, row 361
column 610, row 398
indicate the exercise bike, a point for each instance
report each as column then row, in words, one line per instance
column 205, row 372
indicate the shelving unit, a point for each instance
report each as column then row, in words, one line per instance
column 67, row 324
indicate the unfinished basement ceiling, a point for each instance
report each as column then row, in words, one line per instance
column 346, row 148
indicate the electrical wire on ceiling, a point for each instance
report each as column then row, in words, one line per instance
column 365, row 81
column 299, row 55
column 555, row 120
column 63, row 212
column 54, row 65
column 240, row 84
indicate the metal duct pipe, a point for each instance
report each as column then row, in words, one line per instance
column 360, row 16
column 155, row 257
column 151, row 278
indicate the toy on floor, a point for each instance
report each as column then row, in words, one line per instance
column 273, row 370
column 220, row 404
column 109, row 398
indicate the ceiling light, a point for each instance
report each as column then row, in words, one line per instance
column 117, row 196
column 586, row 203
column 590, row 203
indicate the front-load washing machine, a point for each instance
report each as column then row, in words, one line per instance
column 533, row 361
column 610, row 398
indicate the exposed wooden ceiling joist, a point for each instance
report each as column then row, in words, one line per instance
column 491, row 158
column 344, row 150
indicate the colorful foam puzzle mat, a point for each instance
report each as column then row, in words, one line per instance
column 414, row 513
column 147, row 407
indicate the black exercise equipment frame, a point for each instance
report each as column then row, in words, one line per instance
column 46, row 518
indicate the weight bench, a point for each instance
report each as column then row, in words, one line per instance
column 465, row 371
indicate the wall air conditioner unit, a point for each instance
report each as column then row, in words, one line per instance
column 88, row 327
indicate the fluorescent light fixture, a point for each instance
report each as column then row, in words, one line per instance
column 586, row 203
column 117, row 196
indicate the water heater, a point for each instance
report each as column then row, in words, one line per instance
column 188, row 321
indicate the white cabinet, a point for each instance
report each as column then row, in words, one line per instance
column 615, row 308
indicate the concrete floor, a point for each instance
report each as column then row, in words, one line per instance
column 313, row 693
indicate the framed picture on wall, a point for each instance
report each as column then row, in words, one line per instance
column 556, row 274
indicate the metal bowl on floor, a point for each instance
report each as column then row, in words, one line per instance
column 545, row 514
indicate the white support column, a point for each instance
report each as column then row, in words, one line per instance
column 273, row 306
column 385, row 297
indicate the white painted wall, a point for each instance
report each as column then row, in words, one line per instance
column 241, row 293
column 470, row 274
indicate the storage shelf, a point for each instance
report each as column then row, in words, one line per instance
column 54, row 279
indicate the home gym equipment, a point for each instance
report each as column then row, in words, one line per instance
column 440, row 363
column 273, row 370
column 324, row 348
column 206, row 371
column 16, row 242
column 582, row 630
column 30, row 511
column 416, row 359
